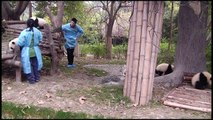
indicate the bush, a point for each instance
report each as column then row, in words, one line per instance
column 119, row 51
column 164, row 55
column 98, row 49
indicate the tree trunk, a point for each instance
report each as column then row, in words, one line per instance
column 54, row 55
column 191, row 44
column 109, row 37
column 109, row 40
column 9, row 13
column 144, row 37
column 30, row 9
column 56, row 22
column 171, row 27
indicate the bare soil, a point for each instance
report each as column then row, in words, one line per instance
column 52, row 91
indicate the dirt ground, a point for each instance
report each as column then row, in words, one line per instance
column 47, row 93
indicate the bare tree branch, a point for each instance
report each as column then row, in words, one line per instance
column 7, row 6
column 119, row 6
column 105, row 8
column 21, row 6
column 49, row 13
column 60, row 13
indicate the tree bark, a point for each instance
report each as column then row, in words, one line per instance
column 9, row 13
column 56, row 22
column 54, row 58
column 191, row 44
column 30, row 9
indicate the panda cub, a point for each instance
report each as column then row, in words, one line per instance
column 12, row 44
column 202, row 80
column 39, row 22
column 164, row 69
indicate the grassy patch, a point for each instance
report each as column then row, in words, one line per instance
column 117, row 62
column 95, row 72
column 112, row 94
column 102, row 95
column 13, row 111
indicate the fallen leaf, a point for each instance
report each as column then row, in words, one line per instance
column 48, row 95
column 9, row 88
column 40, row 102
column 82, row 99
column 135, row 104
column 22, row 92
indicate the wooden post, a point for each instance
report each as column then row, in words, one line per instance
column 141, row 56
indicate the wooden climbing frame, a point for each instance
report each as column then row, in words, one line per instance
column 51, row 46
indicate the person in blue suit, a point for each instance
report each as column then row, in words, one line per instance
column 31, row 57
column 72, row 31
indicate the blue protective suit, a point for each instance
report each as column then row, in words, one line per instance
column 24, row 41
column 71, row 34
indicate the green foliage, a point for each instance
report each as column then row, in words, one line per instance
column 74, row 9
column 119, row 51
column 98, row 49
column 85, row 49
column 13, row 111
column 165, row 55
column 166, row 19
column 209, row 58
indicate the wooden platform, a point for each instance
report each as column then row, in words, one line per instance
column 188, row 97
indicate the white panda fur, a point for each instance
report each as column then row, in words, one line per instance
column 201, row 81
column 162, row 69
column 41, row 21
column 12, row 44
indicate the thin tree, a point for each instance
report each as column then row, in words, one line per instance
column 56, row 21
column 11, row 11
column 191, row 43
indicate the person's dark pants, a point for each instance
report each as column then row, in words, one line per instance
column 34, row 76
column 70, row 55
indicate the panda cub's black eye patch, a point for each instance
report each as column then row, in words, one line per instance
column 11, row 48
column 13, row 42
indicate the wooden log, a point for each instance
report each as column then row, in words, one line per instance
column 13, row 62
column 6, row 56
column 187, row 78
column 14, row 22
column 186, row 106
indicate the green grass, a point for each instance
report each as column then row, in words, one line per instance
column 95, row 72
column 102, row 95
column 13, row 111
column 105, row 94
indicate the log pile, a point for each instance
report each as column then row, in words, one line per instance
column 12, row 59
column 51, row 45
column 14, row 28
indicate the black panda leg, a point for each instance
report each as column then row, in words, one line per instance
column 169, row 70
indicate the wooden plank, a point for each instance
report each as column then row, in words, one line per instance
column 188, row 103
column 6, row 56
column 189, row 98
column 187, row 106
